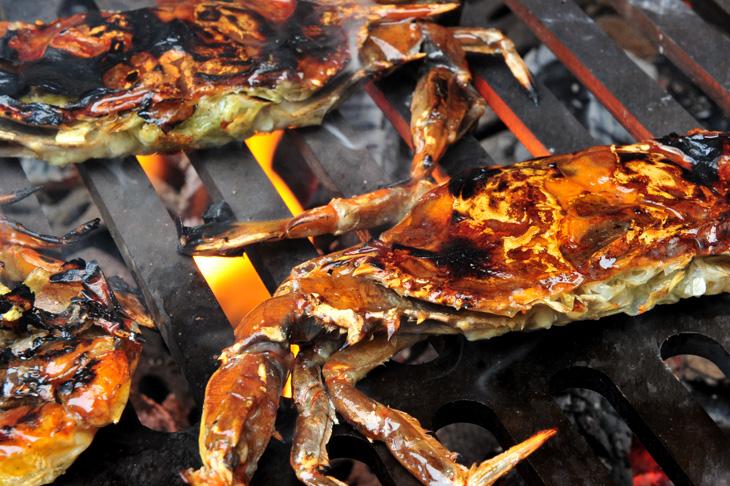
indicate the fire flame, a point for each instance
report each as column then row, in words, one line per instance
column 234, row 281
column 263, row 147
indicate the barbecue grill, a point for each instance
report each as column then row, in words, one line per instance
column 505, row 385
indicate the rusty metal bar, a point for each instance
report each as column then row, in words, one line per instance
column 544, row 127
column 633, row 98
column 694, row 46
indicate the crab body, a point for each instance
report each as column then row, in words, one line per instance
column 68, row 349
column 544, row 242
column 199, row 73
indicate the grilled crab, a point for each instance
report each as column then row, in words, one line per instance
column 68, row 350
column 545, row 242
column 198, row 73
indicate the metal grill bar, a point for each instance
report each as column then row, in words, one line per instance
column 232, row 174
column 633, row 98
column 544, row 128
column 27, row 212
column 345, row 170
column 685, row 39
column 177, row 296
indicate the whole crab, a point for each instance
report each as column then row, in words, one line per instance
column 68, row 348
column 545, row 242
column 197, row 73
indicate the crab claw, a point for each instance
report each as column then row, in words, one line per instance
column 16, row 196
column 17, row 234
column 227, row 238
column 492, row 469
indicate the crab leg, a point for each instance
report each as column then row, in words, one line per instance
column 242, row 396
column 415, row 449
column 16, row 234
column 384, row 206
column 316, row 415
column 16, row 196
column 443, row 109
column 478, row 40
column 445, row 104
column 403, row 11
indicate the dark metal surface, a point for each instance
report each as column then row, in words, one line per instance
column 332, row 153
column 633, row 98
column 695, row 47
column 724, row 5
column 506, row 384
column 178, row 298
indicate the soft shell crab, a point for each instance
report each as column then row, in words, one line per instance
column 196, row 73
column 68, row 350
column 544, row 242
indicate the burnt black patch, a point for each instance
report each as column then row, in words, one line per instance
column 20, row 297
column 626, row 157
column 704, row 153
column 40, row 114
column 82, row 79
column 461, row 257
column 30, row 418
column 81, row 378
column 469, row 182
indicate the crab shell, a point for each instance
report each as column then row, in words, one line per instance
column 184, row 75
column 68, row 351
column 606, row 230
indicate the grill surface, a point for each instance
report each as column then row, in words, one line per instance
column 506, row 384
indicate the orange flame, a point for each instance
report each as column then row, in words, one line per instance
column 263, row 147
column 234, row 281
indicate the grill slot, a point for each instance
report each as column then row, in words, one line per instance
column 505, row 384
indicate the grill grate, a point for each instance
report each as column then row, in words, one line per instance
column 505, row 384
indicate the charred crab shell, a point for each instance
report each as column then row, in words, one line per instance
column 67, row 354
column 183, row 75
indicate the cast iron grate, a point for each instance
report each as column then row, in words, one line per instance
column 504, row 385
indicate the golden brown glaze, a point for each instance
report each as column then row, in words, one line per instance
column 160, row 61
column 201, row 73
column 496, row 240
column 67, row 354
